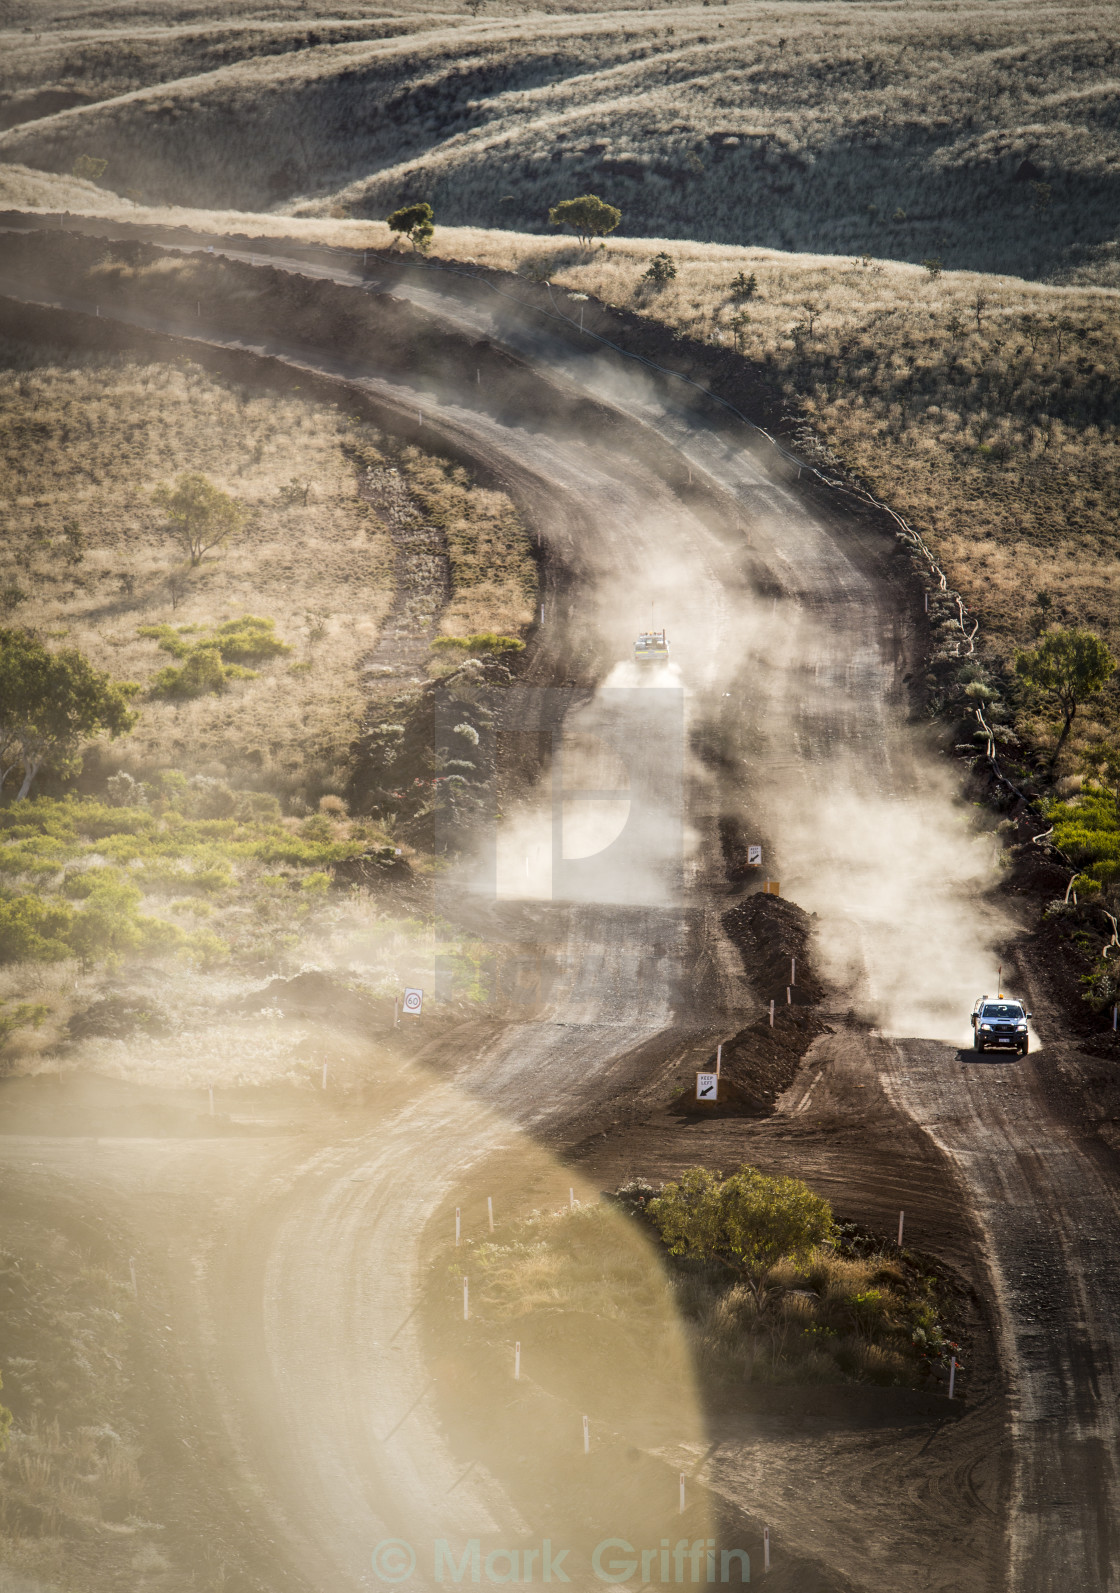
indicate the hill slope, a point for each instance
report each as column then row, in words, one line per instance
column 988, row 138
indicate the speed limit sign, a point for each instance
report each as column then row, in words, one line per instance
column 413, row 1001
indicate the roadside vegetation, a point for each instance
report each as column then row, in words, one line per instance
column 769, row 1288
column 70, row 1470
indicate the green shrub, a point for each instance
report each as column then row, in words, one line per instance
column 203, row 672
column 34, row 930
column 170, row 640
column 476, row 646
column 249, row 637
column 26, row 1015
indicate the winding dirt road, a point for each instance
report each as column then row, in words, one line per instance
column 295, row 1306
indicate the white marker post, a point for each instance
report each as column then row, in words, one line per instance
column 789, row 997
column 542, row 605
column 952, row 1377
column 324, row 1075
column 586, row 1437
column 927, row 602
column 793, row 970
column 396, row 1012
column 771, row 1014
column 766, row 1548
column 682, row 1494
column 490, row 1211
column 517, row 1362
column 571, row 1199
column 132, row 1275
column 198, row 309
column 901, row 1220
column 211, row 1093
column 719, row 1058
column 466, row 1301
column 457, row 1226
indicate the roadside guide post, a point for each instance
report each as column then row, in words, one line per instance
column 952, row 1377
column 682, row 1493
column 719, row 1058
column 586, row 1437
column 466, row 1301
column 132, row 1275
column 901, row 1219
column 766, row 1548
column 517, row 1362
column 457, row 1228
column 771, row 1014
column 490, row 1211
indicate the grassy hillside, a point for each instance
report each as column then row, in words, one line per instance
column 847, row 128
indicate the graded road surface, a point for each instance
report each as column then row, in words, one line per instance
column 790, row 641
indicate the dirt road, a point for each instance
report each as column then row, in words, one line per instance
column 792, row 650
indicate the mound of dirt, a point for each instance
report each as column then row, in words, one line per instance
column 116, row 1017
column 758, row 1064
column 772, row 935
column 317, row 995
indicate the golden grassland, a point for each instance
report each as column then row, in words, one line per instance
column 859, row 128
column 84, row 442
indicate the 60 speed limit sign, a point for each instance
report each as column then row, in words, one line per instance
column 413, row 1001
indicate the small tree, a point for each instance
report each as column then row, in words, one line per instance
column 661, row 269
column 744, row 287
column 50, row 703
column 1066, row 669
column 1042, row 612
column 199, row 514
column 934, row 266
column 749, row 1221
column 588, row 217
column 416, row 223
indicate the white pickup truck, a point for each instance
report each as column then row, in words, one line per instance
column 1001, row 1023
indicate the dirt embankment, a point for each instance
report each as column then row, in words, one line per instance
column 774, row 938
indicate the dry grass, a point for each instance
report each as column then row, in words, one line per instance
column 840, row 127
column 84, row 440
column 493, row 576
